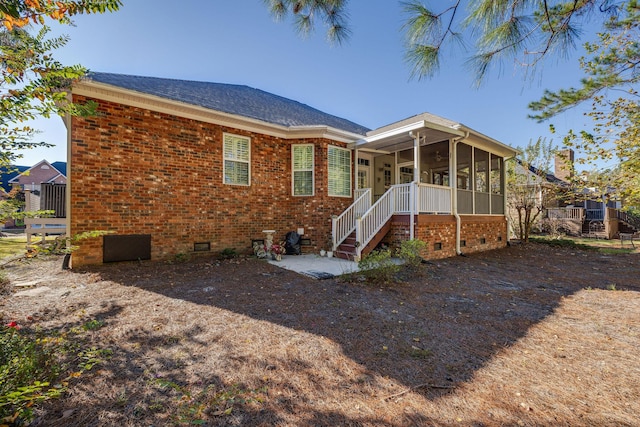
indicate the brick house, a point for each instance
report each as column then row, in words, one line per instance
column 175, row 167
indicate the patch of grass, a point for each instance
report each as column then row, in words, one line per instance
column 211, row 401
column 609, row 247
column 12, row 246
column 17, row 245
column 420, row 353
column 616, row 251
column 93, row 325
column 562, row 243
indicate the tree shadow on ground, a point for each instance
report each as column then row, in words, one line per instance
column 430, row 333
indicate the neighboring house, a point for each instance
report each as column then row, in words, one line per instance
column 580, row 213
column 43, row 185
column 42, row 172
column 172, row 167
column 8, row 173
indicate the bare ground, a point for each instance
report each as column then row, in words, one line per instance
column 529, row 335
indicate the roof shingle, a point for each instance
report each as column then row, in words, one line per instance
column 233, row 99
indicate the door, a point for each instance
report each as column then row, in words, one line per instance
column 405, row 173
column 364, row 172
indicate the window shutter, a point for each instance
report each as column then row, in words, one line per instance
column 339, row 161
column 303, row 169
column 237, row 157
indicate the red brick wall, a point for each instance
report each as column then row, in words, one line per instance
column 135, row 171
column 434, row 229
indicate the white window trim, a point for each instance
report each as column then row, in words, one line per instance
column 224, row 159
column 312, row 170
column 350, row 172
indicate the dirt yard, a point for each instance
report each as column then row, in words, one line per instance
column 526, row 336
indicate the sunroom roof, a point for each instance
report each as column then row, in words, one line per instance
column 430, row 128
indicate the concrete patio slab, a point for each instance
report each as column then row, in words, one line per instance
column 316, row 266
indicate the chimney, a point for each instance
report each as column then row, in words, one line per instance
column 564, row 164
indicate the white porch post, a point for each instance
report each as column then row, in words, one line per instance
column 453, row 183
column 413, row 193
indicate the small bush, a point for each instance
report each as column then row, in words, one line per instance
column 28, row 365
column 228, row 253
column 35, row 367
column 410, row 252
column 181, row 257
column 378, row 267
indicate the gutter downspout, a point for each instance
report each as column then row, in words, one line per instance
column 505, row 202
column 416, row 176
column 454, row 181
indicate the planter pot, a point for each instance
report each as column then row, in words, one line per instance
column 330, row 254
column 323, row 252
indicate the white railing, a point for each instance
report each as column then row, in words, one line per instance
column 404, row 195
column 377, row 216
column 408, row 198
column 357, row 193
column 344, row 224
column 566, row 213
column 434, row 199
column 44, row 226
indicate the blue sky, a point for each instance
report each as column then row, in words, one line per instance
column 365, row 80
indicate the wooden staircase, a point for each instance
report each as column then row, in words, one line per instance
column 347, row 249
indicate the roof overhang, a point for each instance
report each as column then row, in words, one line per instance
column 110, row 93
column 429, row 129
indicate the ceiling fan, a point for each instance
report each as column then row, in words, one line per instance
column 440, row 157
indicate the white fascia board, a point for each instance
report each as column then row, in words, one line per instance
column 405, row 129
column 176, row 108
column 323, row 132
column 491, row 144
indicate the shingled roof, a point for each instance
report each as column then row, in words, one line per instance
column 233, row 99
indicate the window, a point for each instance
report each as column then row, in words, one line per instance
column 237, row 158
column 496, row 175
column 387, row 175
column 463, row 167
column 339, row 172
column 302, row 169
column 482, row 178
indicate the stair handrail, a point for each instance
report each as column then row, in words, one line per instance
column 631, row 220
column 344, row 224
column 378, row 214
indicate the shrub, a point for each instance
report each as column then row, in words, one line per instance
column 28, row 365
column 35, row 367
column 378, row 267
column 228, row 253
column 181, row 257
column 410, row 252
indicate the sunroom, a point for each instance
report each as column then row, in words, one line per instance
column 421, row 166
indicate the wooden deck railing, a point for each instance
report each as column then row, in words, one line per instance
column 566, row 213
column 44, row 226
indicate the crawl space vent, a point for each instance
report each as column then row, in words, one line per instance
column 126, row 247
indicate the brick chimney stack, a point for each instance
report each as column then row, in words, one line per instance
column 563, row 164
